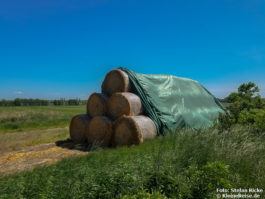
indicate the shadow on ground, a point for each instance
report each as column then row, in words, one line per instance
column 84, row 147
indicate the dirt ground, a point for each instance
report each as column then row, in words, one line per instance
column 30, row 157
column 21, row 158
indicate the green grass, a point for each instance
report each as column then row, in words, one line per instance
column 23, row 118
column 186, row 164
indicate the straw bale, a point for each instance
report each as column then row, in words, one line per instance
column 99, row 131
column 115, row 81
column 77, row 127
column 124, row 104
column 131, row 130
column 97, row 104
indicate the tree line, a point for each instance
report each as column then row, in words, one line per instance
column 41, row 102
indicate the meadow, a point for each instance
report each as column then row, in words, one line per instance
column 22, row 126
column 184, row 164
column 21, row 118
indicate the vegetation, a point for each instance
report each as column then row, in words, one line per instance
column 186, row 164
column 22, row 118
column 39, row 102
column 18, row 140
column 246, row 107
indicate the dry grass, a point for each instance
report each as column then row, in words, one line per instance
column 17, row 140
column 30, row 157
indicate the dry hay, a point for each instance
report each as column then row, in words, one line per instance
column 27, row 158
column 124, row 104
column 130, row 130
column 77, row 127
column 99, row 131
column 97, row 104
column 115, row 81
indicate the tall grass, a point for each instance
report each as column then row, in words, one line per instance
column 185, row 164
column 36, row 117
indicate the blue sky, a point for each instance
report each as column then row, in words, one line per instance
column 63, row 48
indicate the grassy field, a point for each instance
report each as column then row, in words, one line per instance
column 18, row 140
column 13, row 119
column 186, row 164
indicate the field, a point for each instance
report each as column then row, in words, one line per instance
column 32, row 136
column 13, row 119
column 186, row 164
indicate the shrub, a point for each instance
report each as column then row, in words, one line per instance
column 145, row 195
column 163, row 183
column 224, row 122
column 259, row 122
column 247, row 117
column 204, row 181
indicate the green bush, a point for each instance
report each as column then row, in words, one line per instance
column 247, row 117
column 224, row 122
column 204, row 181
column 162, row 183
column 145, row 195
column 246, row 107
column 259, row 122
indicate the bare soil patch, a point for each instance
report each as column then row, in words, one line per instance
column 28, row 158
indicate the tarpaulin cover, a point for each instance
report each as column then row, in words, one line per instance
column 173, row 102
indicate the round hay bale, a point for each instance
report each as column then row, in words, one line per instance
column 124, row 104
column 130, row 130
column 99, row 131
column 78, row 126
column 115, row 81
column 97, row 104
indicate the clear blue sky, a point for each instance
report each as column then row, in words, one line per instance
column 63, row 48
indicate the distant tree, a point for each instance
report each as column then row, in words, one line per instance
column 17, row 102
column 248, row 90
column 73, row 102
column 58, row 102
column 44, row 102
column 233, row 97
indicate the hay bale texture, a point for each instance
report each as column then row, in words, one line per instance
column 99, row 131
column 115, row 81
column 97, row 104
column 131, row 130
column 124, row 104
column 78, row 126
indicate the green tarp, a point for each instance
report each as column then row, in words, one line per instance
column 174, row 102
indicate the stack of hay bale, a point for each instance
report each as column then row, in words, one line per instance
column 114, row 117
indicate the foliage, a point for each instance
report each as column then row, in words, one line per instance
column 145, row 195
column 204, row 181
column 245, row 107
column 163, row 183
column 248, row 90
column 193, row 163
column 260, row 120
column 39, row 102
